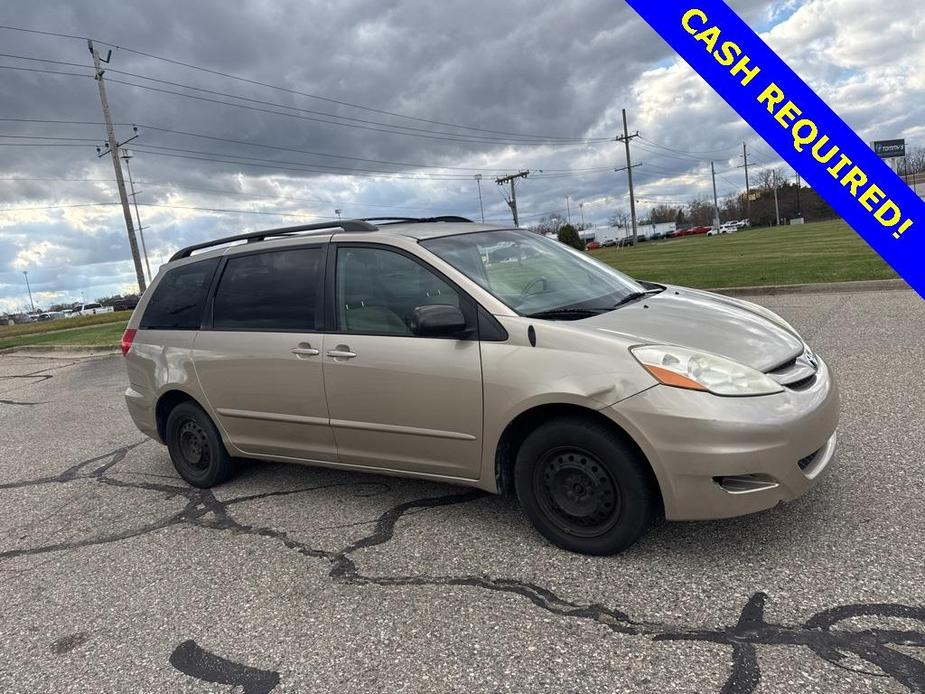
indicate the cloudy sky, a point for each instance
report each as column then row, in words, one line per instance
column 384, row 107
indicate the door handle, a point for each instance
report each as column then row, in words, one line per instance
column 341, row 352
column 305, row 350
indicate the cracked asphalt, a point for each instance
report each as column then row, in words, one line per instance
column 116, row 576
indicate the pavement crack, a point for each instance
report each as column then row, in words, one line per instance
column 824, row 634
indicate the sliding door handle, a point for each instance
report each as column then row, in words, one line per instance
column 341, row 352
column 305, row 350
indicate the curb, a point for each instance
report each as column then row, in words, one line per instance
column 820, row 288
column 64, row 349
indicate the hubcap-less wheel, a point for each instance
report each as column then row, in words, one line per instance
column 576, row 492
column 194, row 445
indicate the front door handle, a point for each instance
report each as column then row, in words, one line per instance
column 305, row 350
column 341, row 352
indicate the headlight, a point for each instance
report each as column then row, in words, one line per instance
column 686, row 368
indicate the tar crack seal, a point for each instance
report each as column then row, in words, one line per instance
column 190, row 659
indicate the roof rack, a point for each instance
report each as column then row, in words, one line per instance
column 417, row 220
column 255, row 236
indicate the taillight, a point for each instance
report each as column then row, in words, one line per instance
column 128, row 337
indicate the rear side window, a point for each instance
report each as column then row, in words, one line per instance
column 275, row 291
column 180, row 297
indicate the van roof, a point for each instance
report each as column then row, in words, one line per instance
column 416, row 228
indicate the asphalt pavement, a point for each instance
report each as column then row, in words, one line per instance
column 116, row 576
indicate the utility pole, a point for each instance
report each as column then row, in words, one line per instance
column 776, row 204
column 338, row 213
column 568, row 208
column 478, row 180
column 117, row 166
column 799, row 186
column 629, row 173
column 715, row 199
column 25, row 273
column 748, row 190
column 126, row 155
column 512, row 202
column 581, row 209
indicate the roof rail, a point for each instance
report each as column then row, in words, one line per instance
column 255, row 236
column 417, row 220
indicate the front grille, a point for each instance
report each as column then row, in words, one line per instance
column 796, row 374
column 802, row 383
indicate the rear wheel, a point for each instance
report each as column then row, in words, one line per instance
column 195, row 447
column 583, row 487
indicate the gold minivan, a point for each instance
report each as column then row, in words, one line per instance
column 481, row 356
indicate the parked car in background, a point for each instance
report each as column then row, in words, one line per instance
column 743, row 224
column 609, row 243
column 600, row 402
column 92, row 309
column 124, row 304
column 592, row 246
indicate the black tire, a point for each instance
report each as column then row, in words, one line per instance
column 584, row 487
column 196, row 448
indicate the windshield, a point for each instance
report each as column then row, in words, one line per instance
column 535, row 275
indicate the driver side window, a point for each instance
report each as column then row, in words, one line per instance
column 377, row 290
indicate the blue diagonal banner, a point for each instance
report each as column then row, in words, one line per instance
column 799, row 126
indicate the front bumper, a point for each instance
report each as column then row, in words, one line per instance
column 718, row 457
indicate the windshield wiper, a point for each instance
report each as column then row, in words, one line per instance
column 638, row 295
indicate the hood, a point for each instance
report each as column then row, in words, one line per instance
column 703, row 321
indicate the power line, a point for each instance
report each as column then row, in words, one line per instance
column 357, row 123
column 327, row 121
column 690, row 152
column 546, row 172
column 288, row 90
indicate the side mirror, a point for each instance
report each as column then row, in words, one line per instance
column 438, row 320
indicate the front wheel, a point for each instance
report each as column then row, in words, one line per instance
column 583, row 487
column 196, row 448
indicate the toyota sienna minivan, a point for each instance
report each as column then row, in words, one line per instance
column 495, row 358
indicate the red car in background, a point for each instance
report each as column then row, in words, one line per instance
column 592, row 246
column 693, row 231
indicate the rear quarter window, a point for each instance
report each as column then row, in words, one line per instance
column 180, row 297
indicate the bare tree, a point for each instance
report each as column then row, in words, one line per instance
column 619, row 218
column 549, row 224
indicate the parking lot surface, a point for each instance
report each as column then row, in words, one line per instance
column 117, row 576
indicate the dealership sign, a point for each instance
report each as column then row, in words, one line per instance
column 886, row 149
column 792, row 119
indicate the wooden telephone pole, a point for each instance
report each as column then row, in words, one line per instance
column 629, row 173
column 512, row 201
column 117, row 166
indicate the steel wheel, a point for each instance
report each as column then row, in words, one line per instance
column 194, row 445
column 576, row 492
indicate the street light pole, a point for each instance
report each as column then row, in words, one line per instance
column 478, row 180
column 25, row 273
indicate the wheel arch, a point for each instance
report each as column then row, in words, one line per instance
column 527, row 421
column 165, row 403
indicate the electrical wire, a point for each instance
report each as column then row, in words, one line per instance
column 339, row 102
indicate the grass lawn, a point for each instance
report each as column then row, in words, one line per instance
column 819, row 252
column 62, row 324
column 106, row 334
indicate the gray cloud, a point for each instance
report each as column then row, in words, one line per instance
column 562, row 69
